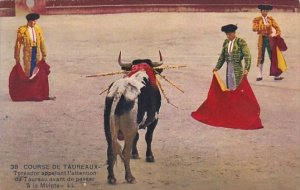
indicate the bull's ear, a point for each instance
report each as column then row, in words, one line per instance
column 156, row 64
column 159, row 70
column 126, row 69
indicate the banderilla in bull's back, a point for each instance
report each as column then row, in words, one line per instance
column 157, row 70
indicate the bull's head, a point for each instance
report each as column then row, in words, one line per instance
column 127, row 66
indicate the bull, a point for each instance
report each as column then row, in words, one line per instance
column 131, row 103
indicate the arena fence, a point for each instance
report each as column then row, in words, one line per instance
column 10, row 7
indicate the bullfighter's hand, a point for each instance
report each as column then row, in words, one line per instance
column 17, row 61
column 215, row 69
column 245, row 72
column 277, row 34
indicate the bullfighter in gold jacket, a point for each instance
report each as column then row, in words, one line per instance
column 264, row 26
column 31, row 37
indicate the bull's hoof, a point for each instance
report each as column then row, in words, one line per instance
column 135, row 156
column 150, row 159
column 130, row 179
column 111, row 181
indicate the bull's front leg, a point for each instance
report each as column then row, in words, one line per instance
column 148, row 137
column 126, row 155
column 135, row 153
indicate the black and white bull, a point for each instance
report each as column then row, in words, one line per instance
column 132, row 103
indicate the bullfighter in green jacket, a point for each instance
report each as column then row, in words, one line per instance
column 233, row 52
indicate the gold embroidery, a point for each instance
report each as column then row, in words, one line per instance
column 24, row 41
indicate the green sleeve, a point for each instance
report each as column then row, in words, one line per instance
column 221, row 59
column 246, row 54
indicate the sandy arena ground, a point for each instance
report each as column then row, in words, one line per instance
column 189, row 155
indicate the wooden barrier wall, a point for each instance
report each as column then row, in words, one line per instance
column 10, row 7
column 7, row 8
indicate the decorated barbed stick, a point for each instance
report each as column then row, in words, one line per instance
column 170, row 67
column 123, row 72
column 104, row 91
column 164, row 93
column 107, row 74
column 164, row 77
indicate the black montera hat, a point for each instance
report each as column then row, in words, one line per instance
column 32, row 16
column 229, row 28
column 265, row 7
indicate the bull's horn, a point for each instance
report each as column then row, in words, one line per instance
column 124, row 65
column 156, row 64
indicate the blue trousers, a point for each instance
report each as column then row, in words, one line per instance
column 33, row 59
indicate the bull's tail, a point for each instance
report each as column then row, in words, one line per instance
column 115, row 93
column 111, row 130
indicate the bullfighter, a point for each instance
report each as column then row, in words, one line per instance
column 234, row 50
column 30, row 36
column 264, row 25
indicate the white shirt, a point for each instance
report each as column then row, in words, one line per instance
column 265, row 19
column 32, row 34
column 230, row 46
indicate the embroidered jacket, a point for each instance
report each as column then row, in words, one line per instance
column 239, row 52
column 24, row 39
column 263, row 30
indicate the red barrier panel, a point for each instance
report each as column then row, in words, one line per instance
column 124, row 6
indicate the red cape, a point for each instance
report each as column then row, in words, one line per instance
column 236, row 109
column 21, row 88
column 275, row 42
